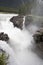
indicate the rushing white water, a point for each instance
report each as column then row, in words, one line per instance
column 19, row 45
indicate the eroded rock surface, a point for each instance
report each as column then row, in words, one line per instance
column 38, row 38
column 38, row 41
column 4, row 37
column 17, row 21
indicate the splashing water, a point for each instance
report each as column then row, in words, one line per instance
column 19, row 39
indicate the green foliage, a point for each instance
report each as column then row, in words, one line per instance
column 25, row 9
column 22, row 9
column 8, row 9
column 3, row 58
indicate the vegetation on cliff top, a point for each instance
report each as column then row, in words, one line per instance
column 22, row 9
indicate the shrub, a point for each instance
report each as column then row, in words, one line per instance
column 3, row 58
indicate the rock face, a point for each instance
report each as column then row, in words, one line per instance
column 17, row 21
column 38, row 38
column 28, row 20
column 4, row 37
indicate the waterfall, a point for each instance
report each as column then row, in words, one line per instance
column 21, row 45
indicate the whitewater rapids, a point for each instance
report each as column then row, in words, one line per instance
column 20, row 43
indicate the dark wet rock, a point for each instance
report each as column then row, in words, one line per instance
column 4, row 37
column 38, row 36
column 38, row 42
column 17, row 21
column 28, row 20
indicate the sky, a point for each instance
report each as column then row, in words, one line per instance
column 12, row 3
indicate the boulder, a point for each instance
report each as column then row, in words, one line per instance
column 4, row 37
column 17, row 21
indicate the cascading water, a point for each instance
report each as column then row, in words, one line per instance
column 20, row 43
